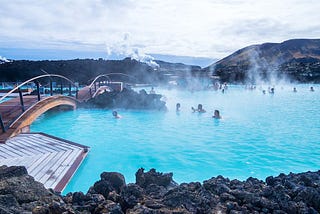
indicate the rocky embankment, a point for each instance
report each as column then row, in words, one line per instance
column 156, row 192
column 127, row 99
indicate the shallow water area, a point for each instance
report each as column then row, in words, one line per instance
column 259, row 135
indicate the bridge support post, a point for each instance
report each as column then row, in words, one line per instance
column 70, row 89
column 38, row 90
column 77, row 93
column 61, row 88
column 51, row 88
column 2, row 125
column 21, row 99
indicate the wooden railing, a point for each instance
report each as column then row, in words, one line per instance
column 10, row 109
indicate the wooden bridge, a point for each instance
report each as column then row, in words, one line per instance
column 50, row 160
column 17, row 114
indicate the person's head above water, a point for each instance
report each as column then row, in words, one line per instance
column 115, row 114
column 216, row 114
column 178, row 106
column 200, row 109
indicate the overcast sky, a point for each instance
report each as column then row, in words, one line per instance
column 207, row 28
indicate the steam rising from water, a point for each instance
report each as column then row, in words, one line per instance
column 3, row 59
column 264, row 71
column 126, row 48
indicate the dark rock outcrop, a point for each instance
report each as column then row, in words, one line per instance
column 156, row 192
column 20, row 192
column 127, row 99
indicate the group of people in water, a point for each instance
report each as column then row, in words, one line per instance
column 295, row 89
column 271, row 90
column 216, row 113
column 200, row 109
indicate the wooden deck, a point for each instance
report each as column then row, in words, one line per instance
column 50, row 160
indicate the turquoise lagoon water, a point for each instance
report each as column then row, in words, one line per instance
column 259, row 135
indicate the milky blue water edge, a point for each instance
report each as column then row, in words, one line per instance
column 259, row 135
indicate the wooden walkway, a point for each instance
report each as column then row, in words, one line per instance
column 50, row 160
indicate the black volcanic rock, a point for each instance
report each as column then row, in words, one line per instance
column 154, row 193
column 297, row 59
column 20, row 192
column 127, row 99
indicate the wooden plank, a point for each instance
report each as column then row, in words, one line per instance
column 34, row 150
column 61, row 169
column 71, row 171
column 45, row 165
column 36, row 164
column 20, row 149
column 50, row 160
column 40, row 144
column 14, row 152
column 50, row 167
column 53, row 142
column 49, row 179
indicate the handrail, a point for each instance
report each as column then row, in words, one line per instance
column 107, row 75
column 97, row 77
column 34, row 78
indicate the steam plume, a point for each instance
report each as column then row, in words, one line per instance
column 134, row 51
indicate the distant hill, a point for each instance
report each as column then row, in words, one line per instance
column 64, row 54
column 296, row 59
column 83, row 70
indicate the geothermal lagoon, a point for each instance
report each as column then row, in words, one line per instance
column 259, row 135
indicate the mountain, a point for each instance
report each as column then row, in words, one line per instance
column 296, row 59
column 84, row 70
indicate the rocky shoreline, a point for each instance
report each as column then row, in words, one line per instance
column 156, row 192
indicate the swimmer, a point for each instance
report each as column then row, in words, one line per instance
column 116, row 115
column 178, row 107
column 216, row 114
column 311, row 88
column 264, row 91
column 193, row 109
column 152, row 91
column 294, row 89
column 200, row 109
